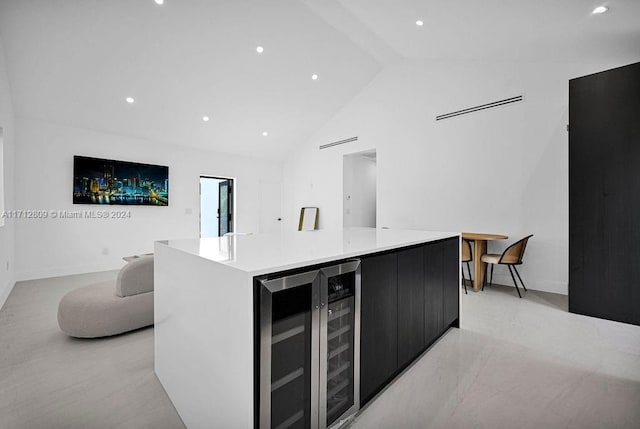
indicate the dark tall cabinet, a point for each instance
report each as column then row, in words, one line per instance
column 604, row 195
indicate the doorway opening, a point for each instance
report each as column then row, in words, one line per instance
column 359, row 189
column 216, row 206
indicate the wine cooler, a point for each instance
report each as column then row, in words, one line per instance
column 310, row 348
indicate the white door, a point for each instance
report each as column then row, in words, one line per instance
column 270, row 206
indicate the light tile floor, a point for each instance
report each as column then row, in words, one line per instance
column 518, row 363
column 51, row 381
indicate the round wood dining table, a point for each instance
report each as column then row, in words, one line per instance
column 479, row 249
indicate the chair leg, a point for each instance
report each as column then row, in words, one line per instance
column 491, row 278
column 464, row 281
column 514, row 281
column 484, row 280
column 469, row 269
column 521, row 282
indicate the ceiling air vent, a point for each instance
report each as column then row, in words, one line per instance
column 481, row 107
column 349, row 140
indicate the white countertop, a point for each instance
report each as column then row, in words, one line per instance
column 259, row 254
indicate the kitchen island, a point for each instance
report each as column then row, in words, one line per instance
column 211, row 344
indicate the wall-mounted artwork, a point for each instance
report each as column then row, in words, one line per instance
column 106, row 181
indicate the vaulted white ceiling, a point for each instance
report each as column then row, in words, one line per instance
column 527, row 30
column 75, row 61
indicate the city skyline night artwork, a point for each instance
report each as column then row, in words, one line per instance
column 111, row 182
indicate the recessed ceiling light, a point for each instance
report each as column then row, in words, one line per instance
column 314, row 76
column 419, row 23
column 205, row 118
column 259, row 49
column 264, row 133
column 599, row 10
column 159, row 2
column 130, row 100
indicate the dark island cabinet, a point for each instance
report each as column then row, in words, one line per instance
column 410, row 304
column 433, row 281
column 451, row 281
column 379, row 322
column 409, row 299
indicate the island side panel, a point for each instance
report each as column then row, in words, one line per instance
column 204, row 339
column 410, row 298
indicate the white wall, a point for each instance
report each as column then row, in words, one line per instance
column 359, row 191
column 44, row 163
column 503, row 170
column 6, row 230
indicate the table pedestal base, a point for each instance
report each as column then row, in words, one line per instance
column 479, row 249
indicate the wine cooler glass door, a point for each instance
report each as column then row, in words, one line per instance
column 289, row 352
column 339, row 343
